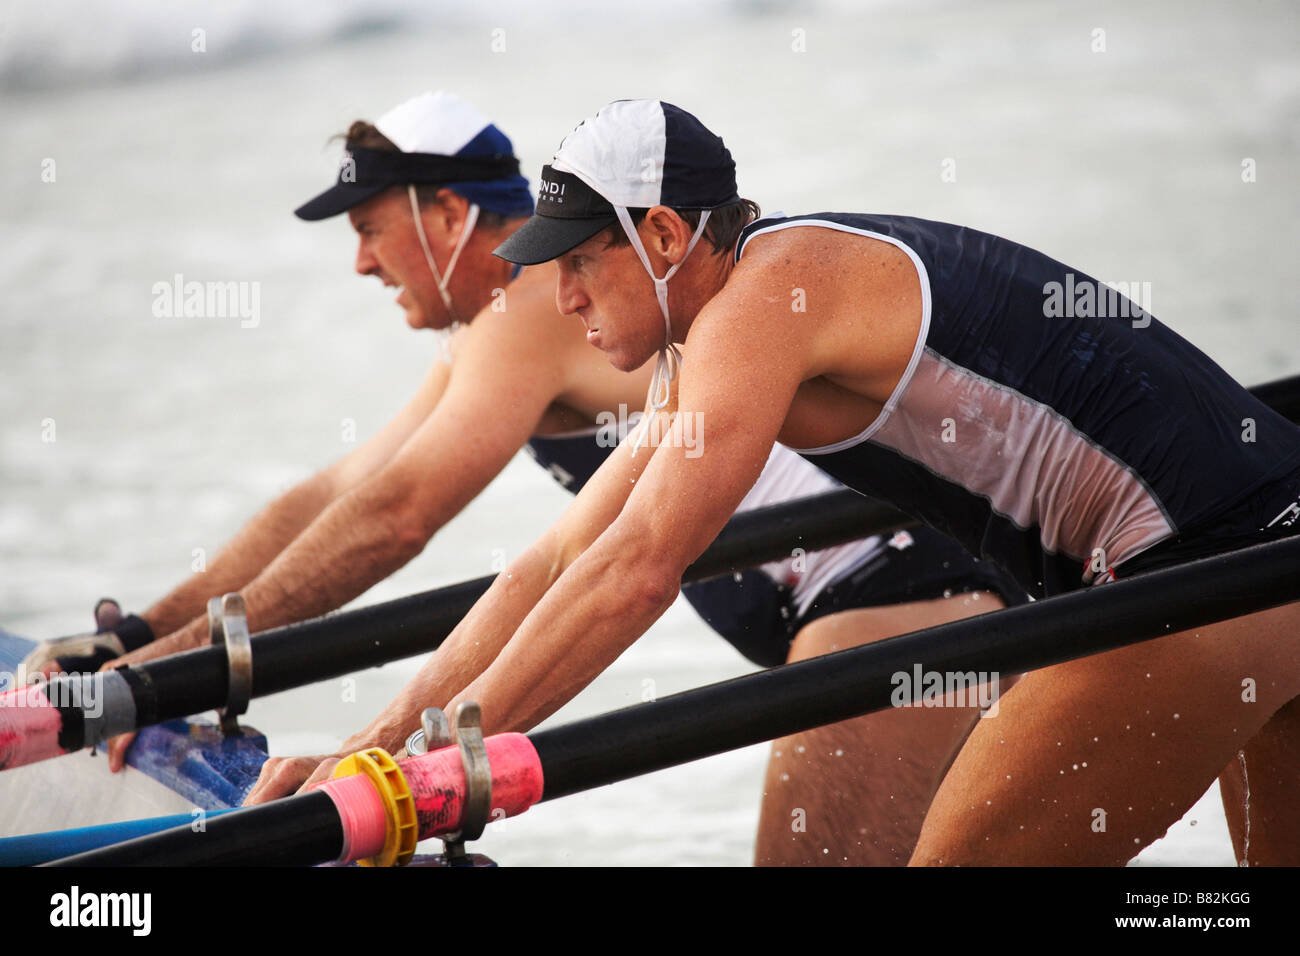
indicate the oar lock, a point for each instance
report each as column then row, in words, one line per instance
column 228, row 625
column 435, row 734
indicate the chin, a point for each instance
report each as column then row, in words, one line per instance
column 626, row 361
column 417, row 319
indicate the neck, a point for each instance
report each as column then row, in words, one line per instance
column 489, row 274
column 694, row 286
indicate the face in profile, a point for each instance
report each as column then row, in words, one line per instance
column 607, row 287
column 388, row 247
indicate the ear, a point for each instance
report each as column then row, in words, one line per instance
column 451, row 211
column 666, row 234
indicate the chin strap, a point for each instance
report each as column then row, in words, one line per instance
column 669, row 361
column 470, row 220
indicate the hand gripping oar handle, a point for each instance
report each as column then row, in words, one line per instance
column 365, row 815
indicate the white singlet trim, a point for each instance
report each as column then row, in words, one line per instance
column 922, row 275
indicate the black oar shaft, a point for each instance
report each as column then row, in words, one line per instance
column 747, row 710
column 296, row 831
column 299, row 654
column 322, row 648
column 1283, row 396
column 784, row 700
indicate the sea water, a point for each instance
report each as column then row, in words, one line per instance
column 1155, row 144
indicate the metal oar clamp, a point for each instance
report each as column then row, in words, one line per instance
column 434, row 734
column 228, row 625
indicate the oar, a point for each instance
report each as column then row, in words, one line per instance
column 346, row 818
column 315, row 650
column 1281, row 395
column 75, row 711
column 34, row 848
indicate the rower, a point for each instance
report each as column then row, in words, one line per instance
column 1073, row 434
column 1077, row 435
column 431, row 189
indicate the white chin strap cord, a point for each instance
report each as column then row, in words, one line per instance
column 669, row 361
column 470, row 220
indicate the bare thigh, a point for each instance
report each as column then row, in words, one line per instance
column 1088, row 762
column 855, row 793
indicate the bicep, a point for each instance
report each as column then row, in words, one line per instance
column 490, row 407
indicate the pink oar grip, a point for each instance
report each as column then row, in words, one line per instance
column 29, row 727
column 437, row 782
column 361, row 813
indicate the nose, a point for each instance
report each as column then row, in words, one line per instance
column 569, row 297
column 366, row 263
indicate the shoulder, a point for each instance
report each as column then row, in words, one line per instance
column 521, row 318
column 830, row 300
column 812, row 244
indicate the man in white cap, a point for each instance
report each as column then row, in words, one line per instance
column 788, row 610
column 929, row 367
column 431, row 189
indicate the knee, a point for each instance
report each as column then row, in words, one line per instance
column 835, row 632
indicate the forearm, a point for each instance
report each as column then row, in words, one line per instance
column 468, row 650
column 355, row 542
column 577, row 630
column 251, row 550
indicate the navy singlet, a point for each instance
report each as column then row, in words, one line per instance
column 1045, row 421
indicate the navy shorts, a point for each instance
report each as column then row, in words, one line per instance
column 1270, row 513
column 757, row 615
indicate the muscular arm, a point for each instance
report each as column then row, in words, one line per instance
column 509, row 368
column 739, row 389
column 746, row 361
column 482, row 633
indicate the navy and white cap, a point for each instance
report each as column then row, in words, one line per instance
column 633, row 154
column 440, row 139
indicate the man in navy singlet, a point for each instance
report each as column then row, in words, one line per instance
column 934, row 366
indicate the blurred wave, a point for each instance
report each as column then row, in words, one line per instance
column 70, row 43
column 59, row 43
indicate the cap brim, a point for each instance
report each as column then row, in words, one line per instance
column 338, row 198
column 543, row 238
